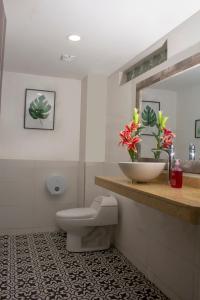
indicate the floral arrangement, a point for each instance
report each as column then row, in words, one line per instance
column 130, row 136
column 164, row 137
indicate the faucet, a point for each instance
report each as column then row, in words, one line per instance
column 171, row 156
column 192, row 152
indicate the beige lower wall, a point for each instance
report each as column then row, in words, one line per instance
column 165, row 249
column 93, row 169
column 25, row 204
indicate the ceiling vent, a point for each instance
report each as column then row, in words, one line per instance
column 67, row 58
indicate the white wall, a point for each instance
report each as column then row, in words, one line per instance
column 92, row 129
column 59, row 144
column 119, row 111
column 184, row 36
column 96, row 117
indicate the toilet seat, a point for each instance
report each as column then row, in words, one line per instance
column 77, row 213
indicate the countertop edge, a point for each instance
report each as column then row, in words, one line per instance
column 189, row 213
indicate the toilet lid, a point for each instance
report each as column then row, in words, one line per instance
column 77, row 213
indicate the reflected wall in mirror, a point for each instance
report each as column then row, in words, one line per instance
column 179, row 97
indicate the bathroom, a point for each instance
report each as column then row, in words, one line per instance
column 92, row 104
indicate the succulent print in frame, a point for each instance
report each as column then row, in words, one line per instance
column 149, row 114
column 39, row 109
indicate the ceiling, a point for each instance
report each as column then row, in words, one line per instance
column 182, row 80
column 112, row 33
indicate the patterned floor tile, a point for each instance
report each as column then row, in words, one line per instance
column 38, row 267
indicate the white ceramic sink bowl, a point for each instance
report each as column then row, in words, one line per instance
column 142, row 171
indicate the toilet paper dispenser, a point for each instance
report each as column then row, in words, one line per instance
column 56, row 184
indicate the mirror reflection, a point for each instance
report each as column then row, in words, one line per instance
column 179, row 98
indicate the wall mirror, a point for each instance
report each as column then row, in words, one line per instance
column 176, row 92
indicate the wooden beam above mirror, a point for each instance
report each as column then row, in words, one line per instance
column 166, row 73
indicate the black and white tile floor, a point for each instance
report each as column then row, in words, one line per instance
column 37, row 266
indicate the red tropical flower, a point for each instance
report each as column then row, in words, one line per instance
column 169, row 132
column 125, row 136
column 133, row 142
column 133, row 126
column 130, row 136
column 167, row 139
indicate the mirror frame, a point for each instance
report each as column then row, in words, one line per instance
column 166, row 73
column 187, row 166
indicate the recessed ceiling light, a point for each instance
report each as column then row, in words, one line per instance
column 67, row 58
column 74, row 37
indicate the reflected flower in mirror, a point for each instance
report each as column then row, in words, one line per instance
column 164, row 137
column 130, row 136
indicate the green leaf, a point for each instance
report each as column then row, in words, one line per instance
column 46, row 108
column 156, row 136
column 39, row 109
column 41, row 98
column 149, row 117
column 33, row 106
column 140, row 129
column 32, row 113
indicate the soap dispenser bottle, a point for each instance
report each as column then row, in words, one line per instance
column 176, row 177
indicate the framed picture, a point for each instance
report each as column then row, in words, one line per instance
column 197, row 129
column 39, row 110
column 149, row 113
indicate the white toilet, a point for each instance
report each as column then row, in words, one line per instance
column 89, row 229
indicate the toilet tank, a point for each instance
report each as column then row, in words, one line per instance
column 107, row 210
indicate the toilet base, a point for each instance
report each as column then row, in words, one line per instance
column 94, row 239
